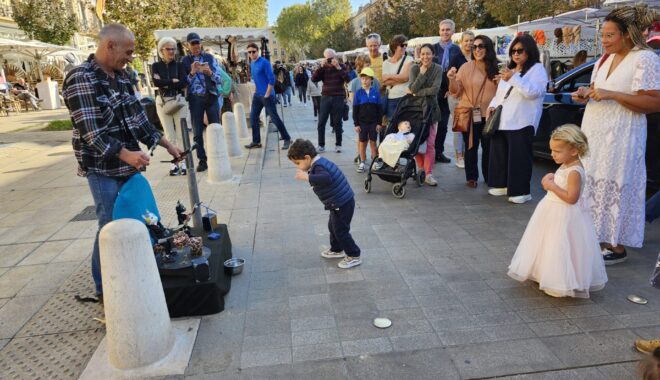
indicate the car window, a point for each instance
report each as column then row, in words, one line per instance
column 579, row 80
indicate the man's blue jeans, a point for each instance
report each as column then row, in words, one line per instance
column 653, row 208
column 104, row 191
column 258, row 103
column 198, row 105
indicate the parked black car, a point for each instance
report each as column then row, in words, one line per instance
column 559, row 109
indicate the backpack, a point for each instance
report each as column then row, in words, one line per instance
column 225, row 88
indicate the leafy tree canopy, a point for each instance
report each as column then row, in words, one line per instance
column 47, row 21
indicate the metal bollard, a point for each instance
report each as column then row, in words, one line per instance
column 241, row 121
column 218, row 159
column 231, row 135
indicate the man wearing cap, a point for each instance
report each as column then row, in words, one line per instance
column 203, row 79
column 264, row 96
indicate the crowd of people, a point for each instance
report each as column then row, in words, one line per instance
column 595, row 201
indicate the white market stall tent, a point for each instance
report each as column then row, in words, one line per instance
column 216, row 38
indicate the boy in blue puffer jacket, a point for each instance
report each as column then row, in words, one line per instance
column 332, row 188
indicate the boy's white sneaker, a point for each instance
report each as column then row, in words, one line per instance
column 329, row 254
column 497, row 191
column 520, row 199
column 338, row 149
column 349, row 262
column 360, row 168
column 320, row 149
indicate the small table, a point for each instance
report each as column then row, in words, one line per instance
column 184, row 296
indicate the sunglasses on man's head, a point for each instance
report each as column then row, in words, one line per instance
column 479, row 46
column 517, row 51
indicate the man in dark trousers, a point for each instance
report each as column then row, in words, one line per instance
column 109, row 123
column 333, row 97
column 203, row 80
column 264, row 96
column 447, row 55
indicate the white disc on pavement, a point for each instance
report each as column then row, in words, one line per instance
column 382, row 323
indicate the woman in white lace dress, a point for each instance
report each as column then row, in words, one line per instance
column 625, row 85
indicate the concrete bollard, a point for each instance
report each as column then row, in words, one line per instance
column 141, row 341
column 231, row 135
column 219, row 165
column 241, row 121
column 138, row 324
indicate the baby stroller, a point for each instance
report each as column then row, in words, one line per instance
column 416, row 111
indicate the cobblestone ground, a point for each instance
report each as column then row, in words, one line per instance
column 434, row 263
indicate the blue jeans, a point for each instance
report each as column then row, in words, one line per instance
column 104, row 191
column 285, row 97
column 258, row 103
column 653, row 208
column 198, row 106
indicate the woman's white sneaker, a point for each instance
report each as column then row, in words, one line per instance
column 430, row 180
column 460, row 162
column 497, row 191
column 520, row 199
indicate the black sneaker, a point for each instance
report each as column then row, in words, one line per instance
column 286, row 144
column 253, row 145
column 175, row 171
column 442, row 159
column 612, row 258
column 202, row 166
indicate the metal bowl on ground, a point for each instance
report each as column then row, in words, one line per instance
column 234, row 265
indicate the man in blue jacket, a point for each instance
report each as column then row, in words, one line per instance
column 264, row 81
column 203, row 80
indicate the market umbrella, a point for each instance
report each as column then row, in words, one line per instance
column 34, row 49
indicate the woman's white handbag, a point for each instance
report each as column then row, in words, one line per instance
column 173, row 104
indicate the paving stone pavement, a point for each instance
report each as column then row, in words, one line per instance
column 434, row 263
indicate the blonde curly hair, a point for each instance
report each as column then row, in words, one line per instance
column 572, row 135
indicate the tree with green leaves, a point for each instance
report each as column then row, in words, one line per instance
column 45, row 20
column 507, row 11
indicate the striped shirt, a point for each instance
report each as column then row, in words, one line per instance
column 106, row 117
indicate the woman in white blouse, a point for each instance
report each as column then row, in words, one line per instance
column 524, row 80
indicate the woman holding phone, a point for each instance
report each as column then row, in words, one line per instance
column 520, row 91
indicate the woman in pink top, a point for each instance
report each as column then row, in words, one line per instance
column 475, row 84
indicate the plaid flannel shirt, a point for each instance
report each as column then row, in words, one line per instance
column 105, row 120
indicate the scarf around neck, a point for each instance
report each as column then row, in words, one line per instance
column 445, row 55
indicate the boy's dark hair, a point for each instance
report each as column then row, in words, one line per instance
column 253, row 45
column 301, row 148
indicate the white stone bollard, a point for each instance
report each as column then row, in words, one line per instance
column 141, row 340
column 219, row 165
column 231, row 135
column 241, row 121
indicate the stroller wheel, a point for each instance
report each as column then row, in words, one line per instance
column 399, row 190
column 421, row 177
column 367, row 186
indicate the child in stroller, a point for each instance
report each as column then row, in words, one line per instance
column 393, row 145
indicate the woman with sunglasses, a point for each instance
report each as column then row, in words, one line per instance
column 467, row 40
column 475, row 84
column 170, row 78
column 396, row 72
column 520, row 92
column 625, row 85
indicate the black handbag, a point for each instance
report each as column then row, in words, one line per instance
column 493, row 123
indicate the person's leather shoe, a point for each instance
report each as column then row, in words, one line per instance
column 472, row 184
column 253, row 145
column 442, row 159
column 202, row 166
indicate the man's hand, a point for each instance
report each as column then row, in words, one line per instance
column 301, row 175
column 175, row 152
column 194, row 68
column 358, row 129
column 206, row 69
column 174, row 80
column 137, row 159
column 379, row 128
column 156, row 76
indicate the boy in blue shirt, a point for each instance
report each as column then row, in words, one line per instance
column 367, row 114
column 332, row 188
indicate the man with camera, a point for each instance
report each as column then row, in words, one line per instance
column 333, row 97
column 264, row 96
column 203, row 80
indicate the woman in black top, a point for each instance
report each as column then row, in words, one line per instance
column 301, row 83
column 170, row 78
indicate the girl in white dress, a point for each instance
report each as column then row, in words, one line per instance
column 559, row 248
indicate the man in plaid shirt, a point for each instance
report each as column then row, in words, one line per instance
column 109, row 123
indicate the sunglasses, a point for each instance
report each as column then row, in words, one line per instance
column 517, row 51
column 170, row 49
column 480, row 46
column 251, row 51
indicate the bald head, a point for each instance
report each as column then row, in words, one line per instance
column 116, row 47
